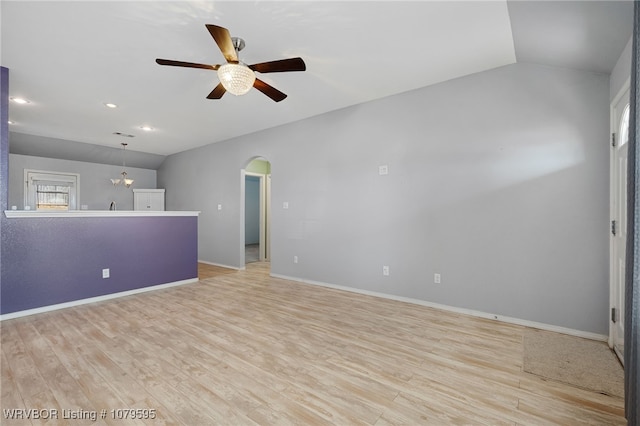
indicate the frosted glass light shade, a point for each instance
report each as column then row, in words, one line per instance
column 237, row 79
column 123, row 180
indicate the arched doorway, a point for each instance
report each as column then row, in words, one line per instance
column 257, row 215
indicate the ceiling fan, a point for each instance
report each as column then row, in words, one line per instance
column 235, row 76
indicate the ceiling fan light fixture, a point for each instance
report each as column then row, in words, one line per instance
column 235, row 76
column 237, row 79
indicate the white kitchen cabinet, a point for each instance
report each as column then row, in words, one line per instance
column 148, row 199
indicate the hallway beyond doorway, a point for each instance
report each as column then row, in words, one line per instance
column 251, row 253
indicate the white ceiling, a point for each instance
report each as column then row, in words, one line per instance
column 70, row 57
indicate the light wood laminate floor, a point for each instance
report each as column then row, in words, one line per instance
column 242, row 348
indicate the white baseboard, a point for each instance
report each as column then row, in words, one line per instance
column 221, row 265
column 470, row 312
column 94, row 299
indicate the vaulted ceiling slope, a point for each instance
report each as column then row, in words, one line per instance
column 70, row 58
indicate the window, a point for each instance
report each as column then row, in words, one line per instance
column 51, row 190
column 52, row 197
column 624, row 126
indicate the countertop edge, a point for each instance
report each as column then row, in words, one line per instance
column 30, row 214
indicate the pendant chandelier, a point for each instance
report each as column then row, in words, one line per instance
column 123, row 180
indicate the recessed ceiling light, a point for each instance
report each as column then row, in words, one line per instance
column 11, row 122
column 19, row 100
column 110, row 105
column 146, row 128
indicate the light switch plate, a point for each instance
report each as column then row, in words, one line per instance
column 383, row 170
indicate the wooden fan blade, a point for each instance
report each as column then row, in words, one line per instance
column 186, row 64
column 223, row 40
column 217, row 92
column 269, row 90
column 282, row 65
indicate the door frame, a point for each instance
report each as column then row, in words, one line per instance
column 265, row 212
column 613, row 282
column 263, row 225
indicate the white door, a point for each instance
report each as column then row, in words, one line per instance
column 263, row 222
column 267, row 205
column 265, row 218
column 618, row 235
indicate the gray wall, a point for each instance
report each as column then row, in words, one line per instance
column 96, row 190
column 621, row 72
column 498, row 181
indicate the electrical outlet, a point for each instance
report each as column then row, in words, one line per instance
column 106, row 273
column 383, row 170
column 385, row 270
column 295, row 259
column 219, row 206
column 436, row 278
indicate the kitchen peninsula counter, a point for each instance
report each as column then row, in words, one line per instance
column 53, row 260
